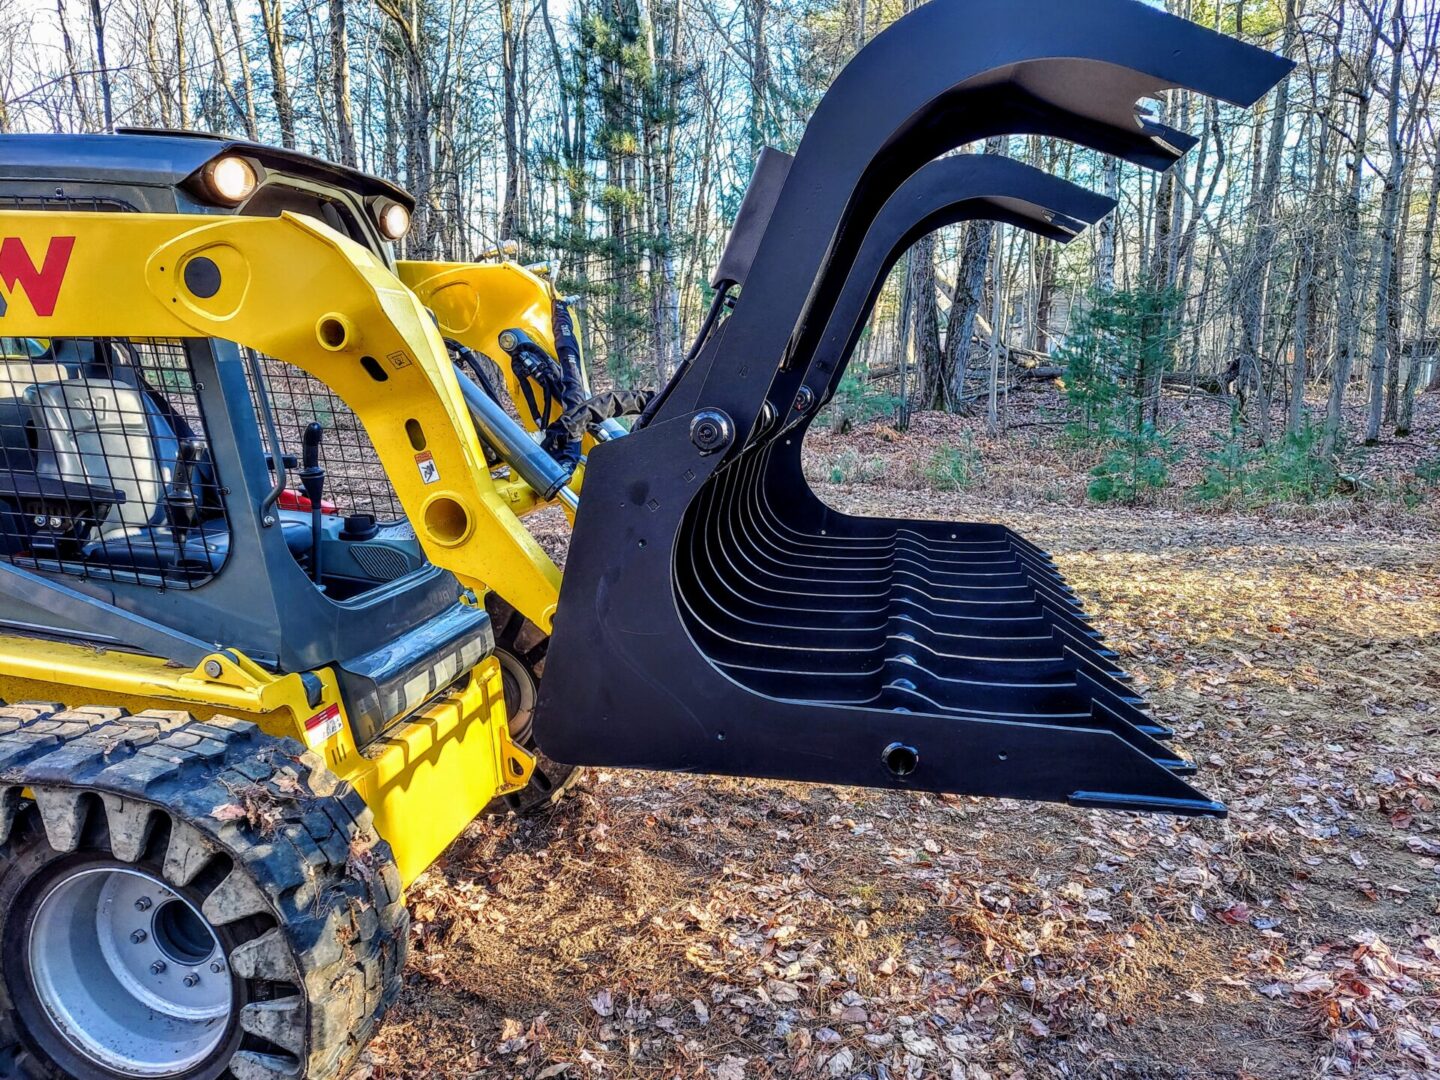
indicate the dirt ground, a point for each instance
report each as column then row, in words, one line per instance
column 675, row 926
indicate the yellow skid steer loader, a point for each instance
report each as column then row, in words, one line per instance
column 273, row 628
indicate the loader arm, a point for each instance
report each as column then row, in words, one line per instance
column 296, row 290
column 475, row 303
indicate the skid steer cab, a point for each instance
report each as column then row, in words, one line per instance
column 273, row 627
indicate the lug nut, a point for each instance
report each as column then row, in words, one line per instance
column 192, row 980
column 157, row 968
column 217, row 967
column 143, row 904
column 137, row 937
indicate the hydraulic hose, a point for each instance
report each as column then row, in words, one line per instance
column 598, row 409
column 712, row 317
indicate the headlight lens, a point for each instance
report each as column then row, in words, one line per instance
column 394, row 221
column 231, row 179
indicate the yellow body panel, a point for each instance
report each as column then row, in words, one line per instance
column 423, row 779
column 474, row 303
column 294, row 289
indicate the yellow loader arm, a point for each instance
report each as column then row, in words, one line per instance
column 296, row 290
column 476, row 302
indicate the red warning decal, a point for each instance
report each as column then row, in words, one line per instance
column 325, row 724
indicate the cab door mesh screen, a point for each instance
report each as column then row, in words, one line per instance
column 355, row 482
column 105, row 467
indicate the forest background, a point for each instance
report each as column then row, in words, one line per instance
column 1282, row 275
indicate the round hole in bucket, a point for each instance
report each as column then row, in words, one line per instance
column 900, row 759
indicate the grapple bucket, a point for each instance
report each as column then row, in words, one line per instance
column 716, row 616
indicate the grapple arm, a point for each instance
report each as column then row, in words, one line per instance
column 716, row 616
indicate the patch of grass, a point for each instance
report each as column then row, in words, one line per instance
column 849, row 467
column 1293, row 469
column 953, row 468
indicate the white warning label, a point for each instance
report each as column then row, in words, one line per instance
column 425, row 462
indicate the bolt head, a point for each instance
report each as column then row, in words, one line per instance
column 138, row 937
column 158, row 967
column 143, row 904
column 508, row 341
column 213, row 669
column 192, row 980
column 217, row 967
column 711, row 430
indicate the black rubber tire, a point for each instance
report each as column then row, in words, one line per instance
column 303, row 894
column 521, row 648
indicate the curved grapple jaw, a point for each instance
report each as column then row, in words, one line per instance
column 716, row 616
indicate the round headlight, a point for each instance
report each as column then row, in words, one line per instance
column 394, row 221
column 231, row 179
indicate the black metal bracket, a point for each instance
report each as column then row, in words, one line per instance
column 716, row 616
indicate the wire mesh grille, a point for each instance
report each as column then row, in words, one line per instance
column 90, row 203
column 105, row 469
column 355, row 481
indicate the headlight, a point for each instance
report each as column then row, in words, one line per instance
column 230, row 179
column 394, row 221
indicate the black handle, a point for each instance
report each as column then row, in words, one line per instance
column 180, row 503
column 312, row 481
column 310, row 451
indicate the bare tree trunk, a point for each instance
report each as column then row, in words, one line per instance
column 1105, row 228
column 97, row 18
column 667, row 72
column 997, row 314
column 182, row 78
column 1305, row 288
column 222, row 68
column 1422, row 305
column 1387, row 300
column 418, row 109
column 340, row 82
column 157, row 70
column 924, row 327
column 1349, row 251
column 247, row 83
column 572, row 108
column 272, row 19
column 1259, row 250
column 1397, row 264
column 511, row 224
column 755, row 15
column 72, row 67
column 969, row 291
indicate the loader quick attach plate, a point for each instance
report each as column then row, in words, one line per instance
column 716, row 616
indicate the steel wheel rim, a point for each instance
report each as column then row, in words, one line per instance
column 520, row 695
column 130, row 973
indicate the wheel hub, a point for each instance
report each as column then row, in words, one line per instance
column 130, row 973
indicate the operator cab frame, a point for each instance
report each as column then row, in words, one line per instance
column 96, row 430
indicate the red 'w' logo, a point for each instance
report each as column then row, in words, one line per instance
column 42, row 284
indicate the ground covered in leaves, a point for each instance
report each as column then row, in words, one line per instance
column 673, row 926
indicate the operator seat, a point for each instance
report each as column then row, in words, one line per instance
column 101, row 429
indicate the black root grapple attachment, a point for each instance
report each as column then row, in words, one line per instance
column 716, row 616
